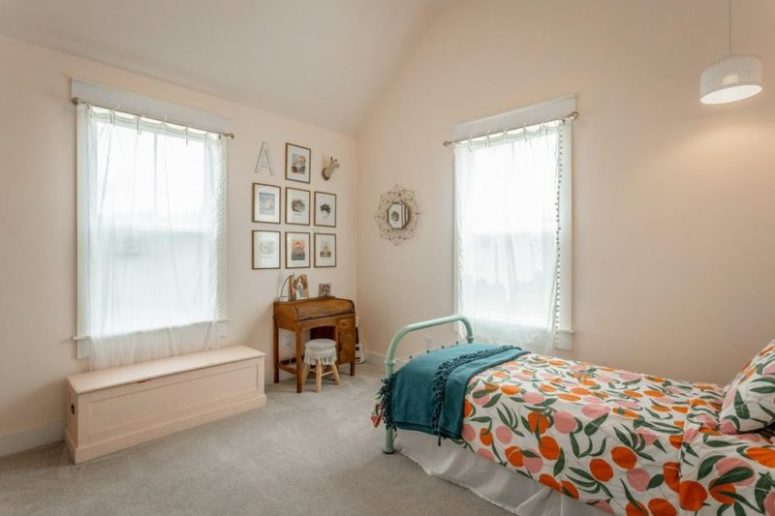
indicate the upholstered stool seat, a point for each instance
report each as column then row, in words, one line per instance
column 320, row 353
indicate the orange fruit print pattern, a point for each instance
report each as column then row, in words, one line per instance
column 624, row 442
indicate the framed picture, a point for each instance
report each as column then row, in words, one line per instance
column 297, row 163
column 266, row 203
column 297, row 206
column 299, row 288
column 325, row 250
column 297, row 250
column 266, row 249
column 324, row 290
column 325, row 209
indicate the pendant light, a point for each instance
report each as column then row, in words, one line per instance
column 736, row 77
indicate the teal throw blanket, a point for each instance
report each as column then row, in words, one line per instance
column 427, row 394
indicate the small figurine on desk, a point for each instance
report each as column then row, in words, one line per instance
column 324, row 290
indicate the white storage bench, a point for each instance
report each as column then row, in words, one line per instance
column 112, row 409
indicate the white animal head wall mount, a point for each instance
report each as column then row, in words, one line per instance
column 330, row 168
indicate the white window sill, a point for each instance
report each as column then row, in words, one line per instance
column 564, row 335
column 83, row 342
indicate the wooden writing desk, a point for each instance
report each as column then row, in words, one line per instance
column 328, row 317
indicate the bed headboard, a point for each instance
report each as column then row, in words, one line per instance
column 390, row 356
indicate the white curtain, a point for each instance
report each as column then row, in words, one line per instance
column 507, row 195
column 151, row 237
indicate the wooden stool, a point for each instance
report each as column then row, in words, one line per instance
column 321, row 353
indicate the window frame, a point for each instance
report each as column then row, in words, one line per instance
column 110, row 99
column 538, row 113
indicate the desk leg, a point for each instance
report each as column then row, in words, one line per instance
column 276, row 350
column 352, row 368
column 299, row 362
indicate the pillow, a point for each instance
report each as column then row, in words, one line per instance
column 749, row 401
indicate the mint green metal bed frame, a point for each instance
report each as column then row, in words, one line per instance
column 390, row 357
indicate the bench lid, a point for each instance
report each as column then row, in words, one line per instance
column 123, row 375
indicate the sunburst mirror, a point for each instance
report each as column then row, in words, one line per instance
column 397, row 214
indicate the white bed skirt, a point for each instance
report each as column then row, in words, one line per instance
column 494, row 483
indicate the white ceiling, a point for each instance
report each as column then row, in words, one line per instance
column 321, row 61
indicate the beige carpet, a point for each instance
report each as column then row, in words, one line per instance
column 311, row 454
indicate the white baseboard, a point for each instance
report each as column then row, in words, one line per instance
column 378, row 359
column 28, row 438
column 375, row 358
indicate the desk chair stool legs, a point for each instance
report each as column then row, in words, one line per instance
column 321, row 353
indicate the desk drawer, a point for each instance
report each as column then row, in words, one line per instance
column 346, row 323
column 346, row 333
column 315, row 308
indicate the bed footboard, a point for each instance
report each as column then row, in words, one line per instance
column 390, row 356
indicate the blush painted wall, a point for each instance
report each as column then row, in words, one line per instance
column 673, row 200
column 37, row 224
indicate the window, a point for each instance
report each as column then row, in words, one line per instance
column 151, row 228
column 512, row 229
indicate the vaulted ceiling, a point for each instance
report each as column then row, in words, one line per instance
column 321, row 61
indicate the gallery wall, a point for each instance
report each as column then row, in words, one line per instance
column 673, row 200
column 37, row 225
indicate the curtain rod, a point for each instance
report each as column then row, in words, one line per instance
column 570, row 116
column 77, row 101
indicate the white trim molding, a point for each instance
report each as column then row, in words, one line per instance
column 120, row 100
column 549, row 110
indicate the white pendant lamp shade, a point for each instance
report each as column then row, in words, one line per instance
column 736, row 77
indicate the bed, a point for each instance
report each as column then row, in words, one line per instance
column 576, row 438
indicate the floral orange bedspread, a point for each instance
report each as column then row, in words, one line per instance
column 624, row 442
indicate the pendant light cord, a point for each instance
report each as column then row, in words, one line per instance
column 730, row 25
